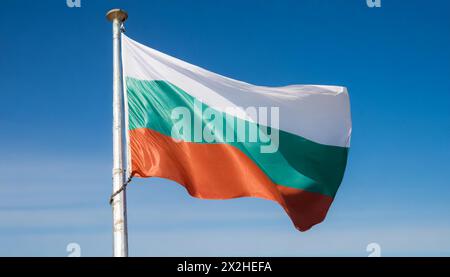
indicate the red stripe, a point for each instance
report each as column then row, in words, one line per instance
column 219, row 171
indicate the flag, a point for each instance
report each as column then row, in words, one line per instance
column 221, row 138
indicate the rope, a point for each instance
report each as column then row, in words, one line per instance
column 122, row 188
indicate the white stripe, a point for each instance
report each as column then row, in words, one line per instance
column 318, row 113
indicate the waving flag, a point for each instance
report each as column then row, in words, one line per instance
column 221, row 138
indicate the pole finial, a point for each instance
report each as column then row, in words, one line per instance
column 119, row 14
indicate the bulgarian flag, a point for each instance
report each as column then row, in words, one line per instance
column 221, row 138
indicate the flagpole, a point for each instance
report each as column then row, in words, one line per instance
column 120, row 236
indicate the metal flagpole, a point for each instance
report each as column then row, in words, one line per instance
column 120, row 236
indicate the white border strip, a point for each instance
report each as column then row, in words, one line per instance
column 126, row 117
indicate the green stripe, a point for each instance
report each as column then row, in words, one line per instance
column 298, row 163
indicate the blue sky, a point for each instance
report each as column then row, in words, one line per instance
column 55, row 142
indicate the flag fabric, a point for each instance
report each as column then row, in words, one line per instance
column 181, row 125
